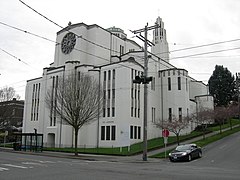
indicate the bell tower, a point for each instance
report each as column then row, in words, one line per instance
column 160, row 40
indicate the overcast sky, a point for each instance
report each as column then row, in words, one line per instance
column 188, row 23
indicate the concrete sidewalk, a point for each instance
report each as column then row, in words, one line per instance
column 111, row 158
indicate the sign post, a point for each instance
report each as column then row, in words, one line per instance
column 165, row 134
column 5, row 136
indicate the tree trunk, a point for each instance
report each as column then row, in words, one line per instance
column 230, row 121
column 178, row 139
column 204, row 131
column 220, row 125
column 76, row 142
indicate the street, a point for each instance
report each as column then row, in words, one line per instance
column 220, row 161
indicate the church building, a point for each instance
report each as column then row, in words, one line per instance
column 108, row 55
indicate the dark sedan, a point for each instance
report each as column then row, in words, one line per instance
column 185, row 152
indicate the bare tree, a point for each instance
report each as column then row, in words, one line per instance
column 204, row 117
column 175, row 125
column 221, row 115
column 6, row 115
column 76, row 100
column 7, row 94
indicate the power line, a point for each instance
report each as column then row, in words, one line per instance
column 199, row 46
column 14, row 56
column 57, row 43
column 204, row 45
column 118, row 52
column 79, row 36
column 210, row 52
column 41, row 14
column 16, row 28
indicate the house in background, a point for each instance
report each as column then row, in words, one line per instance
column 11, row 115
column 108, row 55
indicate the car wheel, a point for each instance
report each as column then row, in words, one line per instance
column 199, row 154
column 189, row 157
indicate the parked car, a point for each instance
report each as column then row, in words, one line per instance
column 185, row 152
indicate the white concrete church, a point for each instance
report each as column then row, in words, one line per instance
column 116, row 61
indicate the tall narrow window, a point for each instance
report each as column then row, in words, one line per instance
column 131, row 132
column 153, row 114
column 139, row 132
column 186, row 85
column 52, row 102
column 113, row 111
column 169, row 72
column 113, row 133
column 104, row 94
column 135, row 132
column 169, row 84
column 79, row 74
column 113, row 93
column 131, row 111
column 55, row 103
column 153, row 84
column 180, row 114
column 179, row 83
column 109, row 75
column 132, row 76
column 179, row 72
column 121, row 50
column 104, row 76
column 170, row 114
column 109, row 94
column 107, row 132
column 104, row 112
column 108, row 112
column 113, row 73
column 102, row 132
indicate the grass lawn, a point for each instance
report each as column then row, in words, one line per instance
column 205, row 141
column 125, row 151
column 138, row 147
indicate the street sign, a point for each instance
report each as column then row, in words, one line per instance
column 165, row 133
column 165, row 140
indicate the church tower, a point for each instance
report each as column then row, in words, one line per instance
column 160, row 40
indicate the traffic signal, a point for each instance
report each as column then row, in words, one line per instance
column 138, row 80
column 142, row 79
column 147, row 80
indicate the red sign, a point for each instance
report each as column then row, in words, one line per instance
column 165, row 133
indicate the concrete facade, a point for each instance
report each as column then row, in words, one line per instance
column 116, row 61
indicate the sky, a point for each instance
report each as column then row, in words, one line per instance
column 188, row 23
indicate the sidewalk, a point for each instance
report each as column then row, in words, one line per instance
column 111, row 158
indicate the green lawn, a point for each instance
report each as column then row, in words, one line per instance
column 205, row 141
column 138, row 147
column 133, row 149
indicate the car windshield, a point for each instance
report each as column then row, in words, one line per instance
column 183, row 148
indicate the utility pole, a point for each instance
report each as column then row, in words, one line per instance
column 238, row 92
column 145, row 80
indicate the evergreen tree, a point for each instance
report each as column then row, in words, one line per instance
column 222, row 86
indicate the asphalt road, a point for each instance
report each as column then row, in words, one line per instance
column 220, row 160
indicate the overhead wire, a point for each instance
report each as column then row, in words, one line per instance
column 96, row 43
column 210, row 52
column 14, row 56
column 79, row 36
column 199, row 46
column 33, row 34
column 188, row 48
